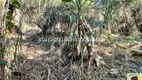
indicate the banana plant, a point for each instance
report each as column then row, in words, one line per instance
column 82, row 33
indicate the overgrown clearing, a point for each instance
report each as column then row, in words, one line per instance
column 73, row 40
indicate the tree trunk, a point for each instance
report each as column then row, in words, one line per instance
column 2, row 63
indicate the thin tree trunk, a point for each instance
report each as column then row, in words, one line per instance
column 2, row 63
column 1, row 53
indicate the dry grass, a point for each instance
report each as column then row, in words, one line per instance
column 38, row 63
column 43, row 61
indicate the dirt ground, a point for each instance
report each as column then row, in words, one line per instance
column 39, row 62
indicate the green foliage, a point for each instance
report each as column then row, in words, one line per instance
column 16, row 4
column 108, row 11
column 9, row 16
column 41, row 1
column 139, row 63
column 9, row 24
column 66, row 0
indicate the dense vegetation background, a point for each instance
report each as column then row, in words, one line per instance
column 104, row 39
